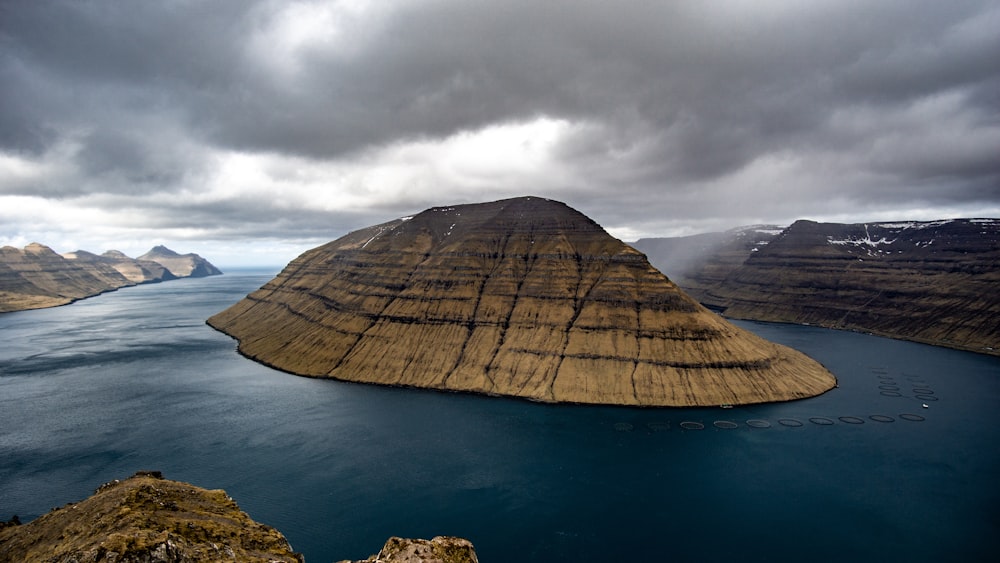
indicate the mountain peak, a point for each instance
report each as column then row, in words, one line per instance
column 160, row 250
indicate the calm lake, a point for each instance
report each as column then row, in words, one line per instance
column 135, row 380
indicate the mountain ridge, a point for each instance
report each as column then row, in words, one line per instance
column 927, row 281
column 38, row 277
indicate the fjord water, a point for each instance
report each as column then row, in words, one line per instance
column 135, row 380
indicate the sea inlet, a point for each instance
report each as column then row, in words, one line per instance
column 899, row 463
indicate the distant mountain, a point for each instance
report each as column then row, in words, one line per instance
column 38, row 277
column 523, row 297
column 933, row 282
column 134, row 270
column 181, row 265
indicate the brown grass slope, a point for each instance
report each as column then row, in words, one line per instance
column 146, row 519
column 523, row 297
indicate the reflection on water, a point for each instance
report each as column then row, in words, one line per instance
column 135, row 380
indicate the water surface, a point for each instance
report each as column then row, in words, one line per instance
column 135, row 380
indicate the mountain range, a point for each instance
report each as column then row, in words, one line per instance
column 933, row 281
column 38, row 277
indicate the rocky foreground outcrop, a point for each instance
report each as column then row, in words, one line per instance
column 38, row 277
column 934, row 282
column 523, row 297
column 146, row 519
column 149, row 519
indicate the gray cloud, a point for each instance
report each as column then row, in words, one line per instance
column 680, row 115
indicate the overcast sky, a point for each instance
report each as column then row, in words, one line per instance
column 250, row 131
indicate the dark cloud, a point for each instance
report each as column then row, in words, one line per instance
column 673, row 112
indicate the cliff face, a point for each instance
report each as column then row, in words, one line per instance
column 523, row 297
column 932, row 282
column 146, row 519
column 38, row 277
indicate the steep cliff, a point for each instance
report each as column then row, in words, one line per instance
column 523, row 297
column 146, row 519
column 932, row 282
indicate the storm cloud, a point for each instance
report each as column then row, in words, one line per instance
column 234, row 124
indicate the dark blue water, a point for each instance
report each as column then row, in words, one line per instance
column 135, row 380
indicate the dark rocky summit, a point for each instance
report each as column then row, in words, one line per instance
column 934, row 282
column 523, row 297
column 38, row 277
column 149, row 519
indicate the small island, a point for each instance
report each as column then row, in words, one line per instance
column 38, row 277
column 523, row 297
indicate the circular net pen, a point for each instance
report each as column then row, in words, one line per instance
column 790, row 422
column 821, row 421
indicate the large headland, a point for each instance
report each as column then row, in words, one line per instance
column 37, row 277
column 522, row 297
column 933, row 282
